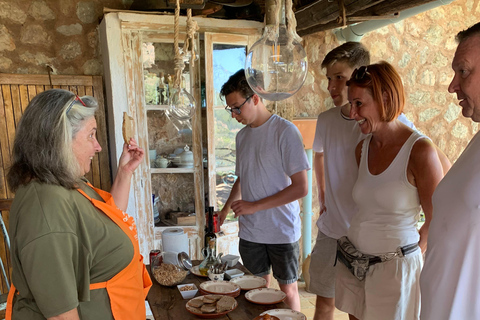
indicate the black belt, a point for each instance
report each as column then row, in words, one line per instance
column 403, row 250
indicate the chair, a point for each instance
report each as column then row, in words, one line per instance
column 5, row 205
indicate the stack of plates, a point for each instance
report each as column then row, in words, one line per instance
column 220, row 287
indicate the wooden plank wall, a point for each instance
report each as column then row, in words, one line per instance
column 16, row 91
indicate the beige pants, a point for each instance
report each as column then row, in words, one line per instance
column 390, row 291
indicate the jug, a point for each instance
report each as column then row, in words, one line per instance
column 210, row 258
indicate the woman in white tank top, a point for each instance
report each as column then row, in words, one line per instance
column 398, row 172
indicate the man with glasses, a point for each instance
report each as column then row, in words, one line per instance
column 271, row 166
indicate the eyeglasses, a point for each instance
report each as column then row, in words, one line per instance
column 77, row 98
column 359, row 74
column 237, row 109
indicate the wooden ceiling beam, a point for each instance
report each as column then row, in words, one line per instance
column 381, row 8
column 392, row 6
column 323, row 12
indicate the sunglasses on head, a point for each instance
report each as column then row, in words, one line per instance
column 361, row 74
column 77, row 98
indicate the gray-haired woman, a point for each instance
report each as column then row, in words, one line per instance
column 74, row 251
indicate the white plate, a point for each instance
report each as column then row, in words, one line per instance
column 249, row 282
column 196, row 272
column 219, row 287
column 265, row 296
column 285, row 314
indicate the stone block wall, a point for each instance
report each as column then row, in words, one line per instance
column 59, row 33
column 421, row 48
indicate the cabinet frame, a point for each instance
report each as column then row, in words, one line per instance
column 122, row 35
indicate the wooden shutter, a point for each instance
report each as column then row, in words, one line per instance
column 16, row 91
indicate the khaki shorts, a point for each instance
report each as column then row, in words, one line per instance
column 390, row 291
column 322, row 266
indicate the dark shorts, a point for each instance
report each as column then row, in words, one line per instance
column 258, row 257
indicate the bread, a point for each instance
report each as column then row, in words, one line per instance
column 226, row 303
column 211, row 298
column 197, row 303
column 208, row 308
column 127, row 128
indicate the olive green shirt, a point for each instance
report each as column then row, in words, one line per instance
column 61, row 244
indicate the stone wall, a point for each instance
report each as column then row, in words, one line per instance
column 59, row 33
column 421, row 48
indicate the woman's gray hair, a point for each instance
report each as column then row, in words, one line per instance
column 43, row 149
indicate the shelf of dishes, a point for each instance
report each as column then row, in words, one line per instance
column 181, row 159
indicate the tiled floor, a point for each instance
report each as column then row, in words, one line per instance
column 307, row 303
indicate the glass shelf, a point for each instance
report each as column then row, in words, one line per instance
column 172, row 170
column 153, row 107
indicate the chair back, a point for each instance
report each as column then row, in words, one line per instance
column 5, row 263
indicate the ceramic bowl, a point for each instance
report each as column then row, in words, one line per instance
column 231, row 259
column 187, row 294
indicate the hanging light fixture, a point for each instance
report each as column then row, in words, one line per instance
column 276, row 65
column 181, row 103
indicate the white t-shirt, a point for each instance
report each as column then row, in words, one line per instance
column 266, row 158
column 337, row 137
column 450, row 280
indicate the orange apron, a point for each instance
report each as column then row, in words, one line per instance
column 128, row 289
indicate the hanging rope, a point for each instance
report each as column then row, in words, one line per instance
column 291, row 25
column 192, row 28
column 179, row 64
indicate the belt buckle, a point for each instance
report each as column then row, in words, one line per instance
column 389, row 256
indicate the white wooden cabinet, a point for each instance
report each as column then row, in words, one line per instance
column 123, row 35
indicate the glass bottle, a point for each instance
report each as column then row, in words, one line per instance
column 210, row 230
column 210, row 258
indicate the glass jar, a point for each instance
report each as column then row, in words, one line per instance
column 171, row 268
column 210, row 258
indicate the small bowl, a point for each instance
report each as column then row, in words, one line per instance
column 215, row 276
column 188, row 294
column 231, row 259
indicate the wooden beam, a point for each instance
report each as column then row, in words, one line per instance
column 380, row 9
column 392, row 6
column 323, row 12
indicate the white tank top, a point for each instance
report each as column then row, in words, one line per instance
column 388, row 204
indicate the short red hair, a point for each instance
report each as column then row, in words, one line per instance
column 385, row 86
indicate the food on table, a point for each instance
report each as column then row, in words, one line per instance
column 169, row 275
column 209, row 308
column 225, row 303
column 196, row 303
column 211, row 298
column 211, row 304
column 187, row 288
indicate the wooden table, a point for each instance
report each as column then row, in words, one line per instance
column 167, row 302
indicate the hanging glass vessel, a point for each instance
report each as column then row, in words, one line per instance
column 276, row 65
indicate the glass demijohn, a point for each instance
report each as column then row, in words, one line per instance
column 276, row 65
